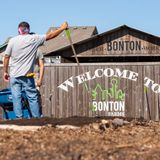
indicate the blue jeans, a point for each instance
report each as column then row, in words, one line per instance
column 28, row 85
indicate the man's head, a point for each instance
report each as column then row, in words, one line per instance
column 23, row 28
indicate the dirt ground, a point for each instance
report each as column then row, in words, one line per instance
column 92, row 140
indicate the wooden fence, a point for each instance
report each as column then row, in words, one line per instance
column 101, row 85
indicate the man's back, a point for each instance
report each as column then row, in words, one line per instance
column 22, row 50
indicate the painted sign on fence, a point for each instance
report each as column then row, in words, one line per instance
column 110, row 99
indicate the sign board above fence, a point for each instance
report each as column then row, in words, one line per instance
column 120, row 41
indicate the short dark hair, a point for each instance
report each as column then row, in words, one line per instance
column 24, row 24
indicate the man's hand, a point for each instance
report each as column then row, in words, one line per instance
column 55, row 33
column 38, row 83
column 64, row 26
column 6, row 76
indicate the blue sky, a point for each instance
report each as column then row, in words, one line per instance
column 105, row 14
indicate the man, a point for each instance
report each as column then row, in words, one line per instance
column 22, row 51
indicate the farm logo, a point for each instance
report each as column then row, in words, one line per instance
column 111, row 100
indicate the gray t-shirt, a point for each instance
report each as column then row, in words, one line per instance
column 22, row 49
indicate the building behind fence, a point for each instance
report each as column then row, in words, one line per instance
column 118, row 76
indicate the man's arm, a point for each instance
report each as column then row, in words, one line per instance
column 55, row 33
column 5, row 67
column 41, row 72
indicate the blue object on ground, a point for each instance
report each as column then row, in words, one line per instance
column 7, row 105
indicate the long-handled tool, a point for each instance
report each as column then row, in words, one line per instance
column 75, row 55
column 72, row 46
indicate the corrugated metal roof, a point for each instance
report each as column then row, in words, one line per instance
column 78, row 34
column 3, row 46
